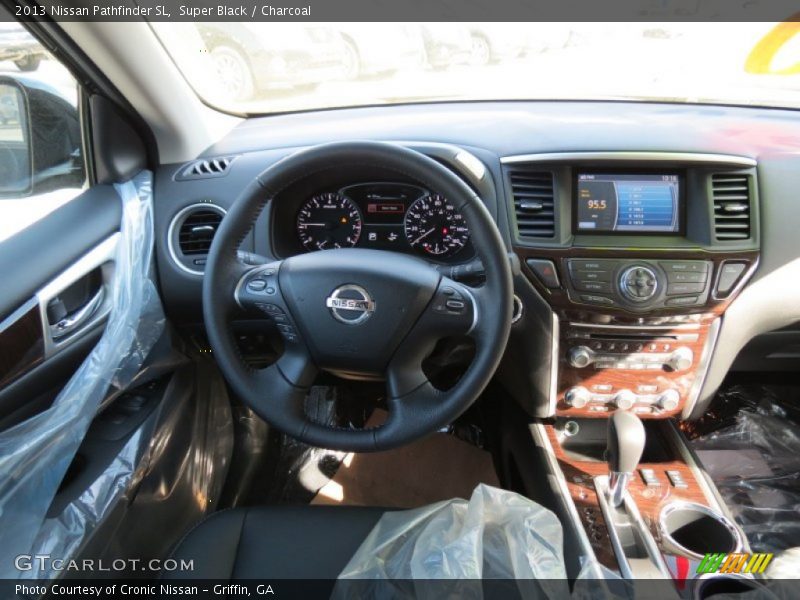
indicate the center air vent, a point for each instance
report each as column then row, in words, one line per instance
column 731, row 195
column 206, row 167
column 534, row 202
column 191, row 233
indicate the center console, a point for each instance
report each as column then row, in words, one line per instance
column 637, row 256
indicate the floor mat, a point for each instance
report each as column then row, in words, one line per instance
column 754, row 459
column 438, row 467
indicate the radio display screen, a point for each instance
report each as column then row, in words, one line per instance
column 628, row 203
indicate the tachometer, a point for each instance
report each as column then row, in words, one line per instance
column 434, row 226
column 328, row 221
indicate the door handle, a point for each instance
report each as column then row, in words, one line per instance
column 74, row 321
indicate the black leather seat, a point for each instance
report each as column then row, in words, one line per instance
column 275, row 542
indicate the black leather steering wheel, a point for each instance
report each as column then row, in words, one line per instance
column 363, row 312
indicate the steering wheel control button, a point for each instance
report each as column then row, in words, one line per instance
column 455, row 305
column 729, row 275
column 270, row 309
column 638, row 283
column 350, row 304
column 545, row 272
column 256, row 285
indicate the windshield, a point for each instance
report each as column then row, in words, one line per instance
column 258, row 68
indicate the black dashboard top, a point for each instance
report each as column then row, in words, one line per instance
column 473, row 139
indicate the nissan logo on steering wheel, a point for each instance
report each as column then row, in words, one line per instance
column 350, row 304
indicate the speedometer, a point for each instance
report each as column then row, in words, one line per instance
column 434, row 226
column 328, row 221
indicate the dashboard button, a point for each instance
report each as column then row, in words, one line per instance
column 728, row 276
column 686, row 266
column 682, row 301
column 584, row 275
column 592, row 286
column 686, row 277
column 545, row 271
column 674, row 289
column 590, row 265
column 592, row 299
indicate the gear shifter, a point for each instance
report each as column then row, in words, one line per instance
column 626, row 439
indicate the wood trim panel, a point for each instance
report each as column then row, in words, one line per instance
column 640, row 381
column 611, row 381
column 21, row 343
column 580, row 474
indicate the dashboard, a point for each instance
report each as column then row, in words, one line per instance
column 644, row 261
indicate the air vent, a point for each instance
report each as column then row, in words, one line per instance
column 207, row 167
column 731, row 194
column 534, row 203
column 197, row 231
column 190, row 235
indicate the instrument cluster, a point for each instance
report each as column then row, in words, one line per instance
column 384, row 216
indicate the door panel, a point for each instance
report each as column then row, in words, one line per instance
column 36, row 255
column 57, row 273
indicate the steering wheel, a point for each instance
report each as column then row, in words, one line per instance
column 366, row 313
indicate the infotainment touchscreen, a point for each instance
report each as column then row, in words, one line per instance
column 628, row 203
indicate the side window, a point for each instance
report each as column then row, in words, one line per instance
column 42, row 162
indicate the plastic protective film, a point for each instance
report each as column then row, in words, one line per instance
column 35, row 455
column 755, row 462
column 498, row 536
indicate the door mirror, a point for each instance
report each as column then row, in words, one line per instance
column 16, row 165
column 40, row 139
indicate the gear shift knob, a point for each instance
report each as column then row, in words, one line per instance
column 626, row 438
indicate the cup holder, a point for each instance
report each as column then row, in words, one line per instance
column 695, row 530
column 727, row 586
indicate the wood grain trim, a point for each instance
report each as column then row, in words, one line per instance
column 21, row 343
column 580, row 476
column 631, row 379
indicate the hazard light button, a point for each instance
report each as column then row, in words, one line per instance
column 545, row 271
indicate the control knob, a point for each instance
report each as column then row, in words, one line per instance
column 577, row 397
column 580, row 357
column 669, row 400
column 638, row 283
column 681, row 359
column 625, row 399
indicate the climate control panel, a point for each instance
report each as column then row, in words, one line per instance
column 646, row 365
column 579, row 397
